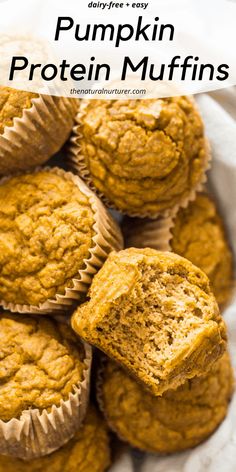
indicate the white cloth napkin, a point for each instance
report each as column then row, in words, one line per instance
column 218, row 453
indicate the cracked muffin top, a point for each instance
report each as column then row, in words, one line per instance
column 12, row 104
column 144, row 156
column 178, row 420
column 46, row 231
column 87, row 451
column 155, row 314
column 40, row 362
column 198, row 234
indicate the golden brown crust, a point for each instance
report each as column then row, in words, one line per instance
column 144, row 156
column 12, row 104
column 178, row 420
column 46, row 230
column 40, row 362
column 198, row 234
column 155, row 314
column 87, row 451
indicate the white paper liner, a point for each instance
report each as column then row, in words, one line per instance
column 37, row 433
column 78, row 164
column 38, row 134
column 107, row 238
column 155, row 234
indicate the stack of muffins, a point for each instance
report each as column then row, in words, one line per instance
column 153, row 310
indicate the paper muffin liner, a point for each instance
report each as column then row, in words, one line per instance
column 36, row 433
column 107, row 237
column 77, row 163
column 155, row 234
column 38, row 134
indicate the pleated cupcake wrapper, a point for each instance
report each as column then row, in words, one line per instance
column 77, row 162
column 36, row 434
column 38, row 134
column 107, row 237
column 155, row 234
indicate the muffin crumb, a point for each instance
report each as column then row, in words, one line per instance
column 155, row 314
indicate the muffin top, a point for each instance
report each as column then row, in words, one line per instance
column 144, row 156
column 87, row 451
column 12, row 104
column 178, row 420
column 46, row 231
column 198, row 235
column 154, row 313
column 40, row 362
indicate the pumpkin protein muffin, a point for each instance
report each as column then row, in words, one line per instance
column 44, row 369
column 12, row 104
column 196, row 233
column 54, row 233
column 144, row 157
column 87, row 451
column 178, row 420
column 33, row 127
column 154, row 313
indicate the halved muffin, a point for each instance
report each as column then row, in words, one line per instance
column 154, row 313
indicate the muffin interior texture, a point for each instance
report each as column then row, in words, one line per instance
column 46, row 231
column 12, row 104
column 198, row 234
column 87, row 451
column 143, row 155
column 40, row 362
column 177, row 420
column 156, row 315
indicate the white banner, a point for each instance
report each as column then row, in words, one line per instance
column 120, row 49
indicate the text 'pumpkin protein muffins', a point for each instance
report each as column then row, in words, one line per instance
column 196, row 233
column 87, row 451
column 178, row 420
column 54, row 235
column 155, row 314
column 44, row 374
column 32, row 127
column 143, row 157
